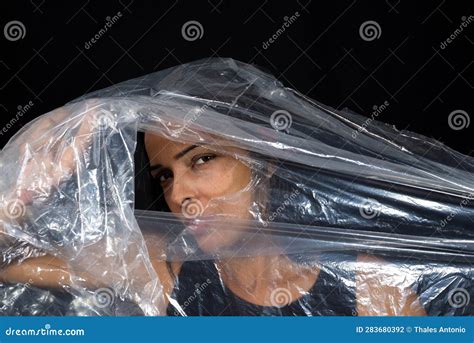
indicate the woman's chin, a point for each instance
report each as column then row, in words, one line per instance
column 215, row 237
column 213, row 243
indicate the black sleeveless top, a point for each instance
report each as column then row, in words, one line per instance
column 199, row 291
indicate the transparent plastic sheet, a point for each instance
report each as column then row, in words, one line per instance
column 280, row 206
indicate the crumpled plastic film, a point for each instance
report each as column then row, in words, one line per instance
column 209, row 188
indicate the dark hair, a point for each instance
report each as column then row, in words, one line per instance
column 280, row 186
column 148, row 194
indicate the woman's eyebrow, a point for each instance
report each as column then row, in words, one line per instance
column 156, row 166
column 184, row 152
column 176, row 157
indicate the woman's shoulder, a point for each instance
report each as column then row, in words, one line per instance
column 384, row 289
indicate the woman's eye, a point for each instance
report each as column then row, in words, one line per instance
column 163, row 177
column 203, row 159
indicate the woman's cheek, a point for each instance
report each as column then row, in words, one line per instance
column 214, row 182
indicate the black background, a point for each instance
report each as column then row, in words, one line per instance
column 321, row 54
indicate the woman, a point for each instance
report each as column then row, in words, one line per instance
column 256, row 285
column 274, row 216
column 272, row 285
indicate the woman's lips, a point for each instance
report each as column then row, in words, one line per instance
column 198, row 226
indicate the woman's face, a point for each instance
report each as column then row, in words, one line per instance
column 199, row 182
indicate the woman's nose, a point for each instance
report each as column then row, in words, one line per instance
column 181, row 193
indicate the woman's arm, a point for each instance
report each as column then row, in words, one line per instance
column 48, row 153
column 50, row 272
column 44, row 272
column 167, row 272
column 383, row 289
